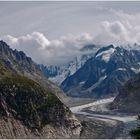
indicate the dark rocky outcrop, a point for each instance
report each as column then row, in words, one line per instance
column 28, row 102
column 128, row 100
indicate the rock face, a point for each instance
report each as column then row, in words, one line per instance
column 103, row 74
column 28, row 102
column 58, row 74
column 18, row 62
column 128, row 99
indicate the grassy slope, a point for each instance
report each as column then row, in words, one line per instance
column 27, row 101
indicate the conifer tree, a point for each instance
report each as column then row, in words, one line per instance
column 136, row 132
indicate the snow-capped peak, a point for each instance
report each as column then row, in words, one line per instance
column 106, row 54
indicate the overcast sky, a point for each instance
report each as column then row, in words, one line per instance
column 50, row 27
column 55, row 19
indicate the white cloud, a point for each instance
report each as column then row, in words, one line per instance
column 114, row 33
column 65, row 48
column 118, row 33
column 116, row 27
column 45, row 51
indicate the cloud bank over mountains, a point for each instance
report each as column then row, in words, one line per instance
column 46, row 51
column 63, row 49
column 107, row 26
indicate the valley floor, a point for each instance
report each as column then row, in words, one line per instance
column 100, row 122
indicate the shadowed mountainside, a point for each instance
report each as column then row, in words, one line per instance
column 28, row 102
column 128, row 100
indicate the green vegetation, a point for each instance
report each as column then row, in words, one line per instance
column 136, row 132
column 28, row 101
column 24, row 99
column 4, row 71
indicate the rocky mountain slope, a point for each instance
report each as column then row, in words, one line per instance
column 58, row 74
column 28, row 102
column 128, row 100
column 103, row 74
column 20, row 63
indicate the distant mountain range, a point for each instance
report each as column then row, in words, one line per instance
column 58, row 74
column 33, row 107
column 29, row 104
column 103, row 74
column 97, row 72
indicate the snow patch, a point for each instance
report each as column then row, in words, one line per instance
column 106, row 54
column 81, row 83
column 122, row 69
column 135, row 70
column 97, row 83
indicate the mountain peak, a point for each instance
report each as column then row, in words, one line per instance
column 104, row 73
column 105, row 48
column 105, row 53
column 30, row 104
